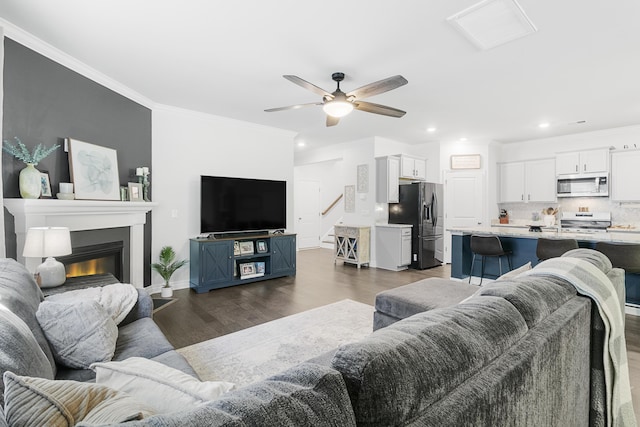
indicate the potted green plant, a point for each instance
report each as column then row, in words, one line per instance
column 29, row 180
column 166, row 266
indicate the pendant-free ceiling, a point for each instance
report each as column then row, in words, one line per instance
column 338, row 104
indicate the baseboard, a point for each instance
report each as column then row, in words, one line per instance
column 155, row 289
column 632, row 309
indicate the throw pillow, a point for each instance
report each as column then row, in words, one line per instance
column 80, row 333
column 516, row 272
column 163, row 388
column 117, row 299
column 43, row 402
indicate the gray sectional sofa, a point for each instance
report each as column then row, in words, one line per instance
column 518, row 353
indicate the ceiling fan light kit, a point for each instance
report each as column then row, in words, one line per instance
column 339, row 104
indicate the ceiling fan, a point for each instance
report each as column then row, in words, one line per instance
column 339, row 104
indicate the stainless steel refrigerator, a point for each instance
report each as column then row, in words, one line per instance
column 421, row 206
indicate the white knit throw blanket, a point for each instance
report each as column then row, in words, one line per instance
column 589, row 280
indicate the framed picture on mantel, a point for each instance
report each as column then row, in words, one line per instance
column 94, row 171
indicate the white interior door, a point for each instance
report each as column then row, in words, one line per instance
column 463, row 203
column 307, row 207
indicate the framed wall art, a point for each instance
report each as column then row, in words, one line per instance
column 363, row 178
column 349, row 198
column 465, row 161
column 94, row 171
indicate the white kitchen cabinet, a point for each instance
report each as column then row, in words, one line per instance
column 413, row 167
column 387, row 179
column 393, row 246
column 625, row 176
column 587, row 161
column 530, row 181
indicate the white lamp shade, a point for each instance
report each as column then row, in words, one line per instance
column 44, row 242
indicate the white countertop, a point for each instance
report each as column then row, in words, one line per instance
column 395, row 225
column 619, row 236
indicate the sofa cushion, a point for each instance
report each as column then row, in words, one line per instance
column 177, row 361
column 42, row 402
column 397, row 372
column 20, row 294
column 534, row 297
column 142, row 338
column 160, row 387
column 423, row 295
column 304, row 395
column 80, row 332
column 19, row 351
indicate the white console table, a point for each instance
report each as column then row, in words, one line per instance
column 352, row 244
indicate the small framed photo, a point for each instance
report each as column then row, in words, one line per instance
column 260, row 267
column 261, row 246
column 247, row 269
column 135, row 192
column 236, row 247
column 246, row 248
column 45, row 185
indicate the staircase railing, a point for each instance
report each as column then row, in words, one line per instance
column 332, row 205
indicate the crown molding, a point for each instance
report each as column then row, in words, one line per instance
column 43, row 48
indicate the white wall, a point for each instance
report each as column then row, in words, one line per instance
column 186, row 145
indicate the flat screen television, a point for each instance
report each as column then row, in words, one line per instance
column 241, row 204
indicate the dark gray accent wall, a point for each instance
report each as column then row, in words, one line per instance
column 45, row 102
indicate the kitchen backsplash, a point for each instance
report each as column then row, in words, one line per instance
column 621, row 214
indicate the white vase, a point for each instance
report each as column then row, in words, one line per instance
column 166, row 292
column 549, row 220
column 30, row 184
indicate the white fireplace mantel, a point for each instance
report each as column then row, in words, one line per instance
column 79, row 215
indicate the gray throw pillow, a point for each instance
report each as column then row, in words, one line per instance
column 80, row 333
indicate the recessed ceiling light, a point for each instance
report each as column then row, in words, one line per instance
column 543, row 125
column 301, row 144
column 463, row 139
column 431, row 129
column 491, row 23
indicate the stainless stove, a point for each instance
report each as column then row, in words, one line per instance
column 585, row 222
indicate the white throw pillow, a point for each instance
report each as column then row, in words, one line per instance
column 79, row 333
column 161, row 387
column 516, row 272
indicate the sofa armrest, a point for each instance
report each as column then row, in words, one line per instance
column 142, row 309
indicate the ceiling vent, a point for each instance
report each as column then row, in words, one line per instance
column 491, row 23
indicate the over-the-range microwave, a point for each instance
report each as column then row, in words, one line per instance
column 583, row 185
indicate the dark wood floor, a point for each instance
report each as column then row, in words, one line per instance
column 199, row 317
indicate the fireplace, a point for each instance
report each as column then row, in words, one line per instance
column 95, row 259
column 97, row 252
column 127, row 219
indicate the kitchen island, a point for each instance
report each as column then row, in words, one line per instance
column 523, row 242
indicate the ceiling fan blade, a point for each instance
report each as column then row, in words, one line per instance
column 309, row 86
column 370, row 107
column 293, row 107
column 332, row 121
column 378, row 87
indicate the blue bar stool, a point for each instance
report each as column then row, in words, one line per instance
column 487, row 246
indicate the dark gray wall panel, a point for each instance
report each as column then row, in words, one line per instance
column 45, row 102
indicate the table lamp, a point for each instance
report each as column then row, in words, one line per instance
column 48, row 242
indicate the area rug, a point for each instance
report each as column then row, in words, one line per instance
column 160, row 303
column 256, row 353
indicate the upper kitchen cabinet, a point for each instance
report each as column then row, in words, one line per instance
column 387, row 176
column 625, row 176
column 530, row 181
column 413, row 167
column 587, row 161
